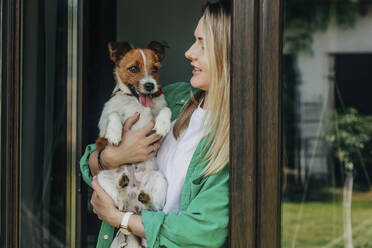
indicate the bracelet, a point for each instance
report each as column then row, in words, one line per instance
column 124, row 227
column 99, row 160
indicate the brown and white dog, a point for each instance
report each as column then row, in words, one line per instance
column 138, row 186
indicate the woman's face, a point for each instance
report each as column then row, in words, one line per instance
column 197, row 53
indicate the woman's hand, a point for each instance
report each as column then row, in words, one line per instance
column 104, row 208
column 103, row 205
column 135, row 146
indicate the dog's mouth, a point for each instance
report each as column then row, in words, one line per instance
column 145, row 99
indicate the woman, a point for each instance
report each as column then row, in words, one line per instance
column 193, row 156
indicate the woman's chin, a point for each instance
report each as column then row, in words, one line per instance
column 199, row 84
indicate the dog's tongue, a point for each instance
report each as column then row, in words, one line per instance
column 145, row 100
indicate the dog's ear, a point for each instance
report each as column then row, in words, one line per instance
column 159, row 48
column 118, row 50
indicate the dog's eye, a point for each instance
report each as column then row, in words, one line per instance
column 133, row 69
column 154, row 69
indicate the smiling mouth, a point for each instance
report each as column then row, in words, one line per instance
column 196, row 71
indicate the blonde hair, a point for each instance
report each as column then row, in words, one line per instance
column 216, row 21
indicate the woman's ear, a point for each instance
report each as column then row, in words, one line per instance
column 159, row 48
column 118, row 50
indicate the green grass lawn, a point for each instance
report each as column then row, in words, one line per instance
column 319, row 224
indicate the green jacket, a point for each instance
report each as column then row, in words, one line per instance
column 204, row 212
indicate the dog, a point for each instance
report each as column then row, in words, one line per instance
column 137, row 186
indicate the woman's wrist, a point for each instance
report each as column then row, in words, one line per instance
column 110, row 158
column 117, row 218
column 100, row 160
column 124, row 225
column 93, row 164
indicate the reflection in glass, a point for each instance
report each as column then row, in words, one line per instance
column 43, row 124
column 327, row 124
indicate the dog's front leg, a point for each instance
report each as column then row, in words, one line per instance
column 163, row 115
column 163, row 122
column 114, row 128
column 158, row 103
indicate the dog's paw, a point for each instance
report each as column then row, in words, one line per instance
column 114, row 136
column 114, row 129
column 162, row 126
column 143, row 198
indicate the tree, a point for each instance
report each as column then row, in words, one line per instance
column 349, row 134
column 302, row 18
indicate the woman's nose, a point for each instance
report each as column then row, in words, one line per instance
column 188, row 54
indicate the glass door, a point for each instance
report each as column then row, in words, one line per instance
column 327, row 124
column 48, row 129
column 42, row 178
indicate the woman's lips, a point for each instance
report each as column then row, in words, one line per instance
column 196, row 71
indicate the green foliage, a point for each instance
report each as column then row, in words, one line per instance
column 350, row 135
column 302, row 18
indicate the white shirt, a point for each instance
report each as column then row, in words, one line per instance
column 174, row 157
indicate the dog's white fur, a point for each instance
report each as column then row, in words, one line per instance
column 143, row 177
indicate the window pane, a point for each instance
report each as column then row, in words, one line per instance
column 327, row 124
column 43, row 124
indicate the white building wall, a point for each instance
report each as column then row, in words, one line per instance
column 316, row 88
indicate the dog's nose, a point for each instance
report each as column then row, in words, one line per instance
column 149, row 86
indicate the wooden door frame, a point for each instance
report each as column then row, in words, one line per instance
column 255, row 134
column 10, row 68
